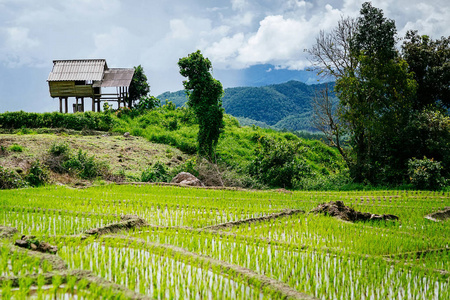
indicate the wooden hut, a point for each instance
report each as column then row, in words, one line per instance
column 85, row 78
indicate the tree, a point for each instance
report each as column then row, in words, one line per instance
column 139, row 86
column 429, row 60
column 205, row 95
column 325, row 119
column 330, row 55
column 375, row 91
column 376, row 98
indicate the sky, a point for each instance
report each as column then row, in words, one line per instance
column 234, row 34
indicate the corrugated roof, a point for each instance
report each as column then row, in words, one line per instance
column 116, row 77
column 77, row 70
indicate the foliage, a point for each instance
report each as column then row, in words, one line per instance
column 77, row 121
column 15, row 148
column 9, row 179
column 83, row 165
column 147, row 103
column 428, row 134
column 58, row 149
column 38, row 174
column 139, row 87
column 428, row 59
column 426, row 173
column 205, row 94
column 277, row 163
column 157, row 173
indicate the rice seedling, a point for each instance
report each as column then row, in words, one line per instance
column 312, row 254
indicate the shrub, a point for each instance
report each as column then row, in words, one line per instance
column 9, row 179
column 16, row 148
column 58, row 149
column 156, row 173
column 84, row 166
column 277, row 163
column 38, row 174
column 425, row 173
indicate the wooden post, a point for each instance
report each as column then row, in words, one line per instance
column 76, row 105
column 60, row 104
column 98, row 105
column 82, row 104
column 66, row 105
column 93, row 104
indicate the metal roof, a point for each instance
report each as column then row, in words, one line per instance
column 77, row 70
column 115, row 77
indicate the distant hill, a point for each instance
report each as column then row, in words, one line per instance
column 280, row 106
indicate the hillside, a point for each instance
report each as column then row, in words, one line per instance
column 279, row 106
column 172, row 134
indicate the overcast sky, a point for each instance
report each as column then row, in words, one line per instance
column 233, row 34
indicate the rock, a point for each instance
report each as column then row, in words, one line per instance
column 126, row 134
column 186, row 178
column 339, row 210
column 21, row 243
column 29, row 242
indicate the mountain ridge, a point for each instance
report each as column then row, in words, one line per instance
column 284, row 106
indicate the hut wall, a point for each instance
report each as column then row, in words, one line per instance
column 69, row 89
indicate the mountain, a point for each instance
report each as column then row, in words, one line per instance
column 280, row 106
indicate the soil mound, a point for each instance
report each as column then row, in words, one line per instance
column 340, row 211
column 6, row 232
column 441, row 215
column 187, row 179
column 128, row 222
column 31, row 243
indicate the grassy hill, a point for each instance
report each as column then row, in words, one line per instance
column 279, row 106
column 171, row 134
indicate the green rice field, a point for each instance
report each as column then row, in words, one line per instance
column 182, row 254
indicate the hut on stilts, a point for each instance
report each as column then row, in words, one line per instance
column 85, row 78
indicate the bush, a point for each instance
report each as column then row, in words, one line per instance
column 277, row 163
column 9, row 179
column 425, row 173
column 58, row 149
column 84, row 166
column 16, row 148
column 156, row 173
column 38, row 174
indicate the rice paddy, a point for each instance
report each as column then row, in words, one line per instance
column 258, row 253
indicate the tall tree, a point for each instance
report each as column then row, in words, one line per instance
column 139, row 86
column 430, row 61
column 205, row 95
column 375, row 97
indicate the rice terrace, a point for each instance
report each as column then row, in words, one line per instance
column 255, row 179
column 190, row 245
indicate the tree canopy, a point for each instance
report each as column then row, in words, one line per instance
column 205, row 95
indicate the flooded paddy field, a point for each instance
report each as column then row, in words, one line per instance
column 197, row 243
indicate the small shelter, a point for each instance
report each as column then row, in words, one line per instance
column 85, row 78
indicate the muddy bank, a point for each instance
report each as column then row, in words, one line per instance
column 128, row 222
column 7, row 232
column 284, row 213
column 438, row 216
column 340, row 211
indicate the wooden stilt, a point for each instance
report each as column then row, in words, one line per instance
column 60, row 104
column 66, row 105
column 98, row 105
column 82, row 104
column 93, row 104
column 76, row 105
